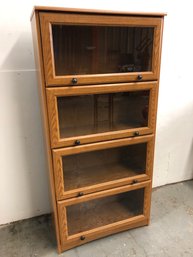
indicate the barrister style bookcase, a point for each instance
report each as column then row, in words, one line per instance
column 98, row 74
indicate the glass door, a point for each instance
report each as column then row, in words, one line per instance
column 84, row 49
column 103, row 213
column 90, row 113
column 94, row 167
column 98, row 212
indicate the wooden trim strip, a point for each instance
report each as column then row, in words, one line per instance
column 91, row 11
column 102, row 145
column 103, row 186
column 101, row 194
column 122, row 227
column 82, row 18
column 37, row 44
column 106, row 136
column 100, row 89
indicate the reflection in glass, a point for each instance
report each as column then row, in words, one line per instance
column 104, row 211
column 101, row 49
column 95, row 167
column 91, row 114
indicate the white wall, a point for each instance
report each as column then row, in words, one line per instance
column 23, row 171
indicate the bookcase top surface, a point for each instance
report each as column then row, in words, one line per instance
column 95, row 11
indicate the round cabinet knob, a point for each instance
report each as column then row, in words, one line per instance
column 80, row 194
column 136, row 133
column 139, row 77
column 77, row 142
column 82, row 238
column 74, row 81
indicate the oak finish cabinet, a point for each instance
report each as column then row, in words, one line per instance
column 98, row 74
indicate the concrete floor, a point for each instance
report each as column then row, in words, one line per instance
column 169, row 234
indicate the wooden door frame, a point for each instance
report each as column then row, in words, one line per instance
column 58, row 166
column 53, row 93
column 47, row 19
column 136, row 221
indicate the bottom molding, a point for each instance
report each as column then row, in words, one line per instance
column 66, row 245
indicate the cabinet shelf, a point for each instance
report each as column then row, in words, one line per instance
column 97, row 174
column 94, row 165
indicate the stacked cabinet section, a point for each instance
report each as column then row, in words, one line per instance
column 86, row 114
column 87, row 49
column 94, row 167
column 99, row 76
column 105, row 212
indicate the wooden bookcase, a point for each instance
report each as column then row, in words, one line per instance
column 98, row 74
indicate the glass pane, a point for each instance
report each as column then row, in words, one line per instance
column 91, row 114
column 101, row 49
column 91, row 168
column 103, row 211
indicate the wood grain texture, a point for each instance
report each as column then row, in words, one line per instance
column 94, row 11
column 51, row 18
column 43, row 101
column 53, row 119
column 103, row 145
column 103, row 186
column 54, row 93
column 105, row 193
column 63, row 227
column 153, row 142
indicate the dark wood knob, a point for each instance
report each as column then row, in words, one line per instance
column 134, row 181
column 74, row 81
column 136, row 133
column 139, row 77
column 82, row 238
column 80, row 194
column 77, row 142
